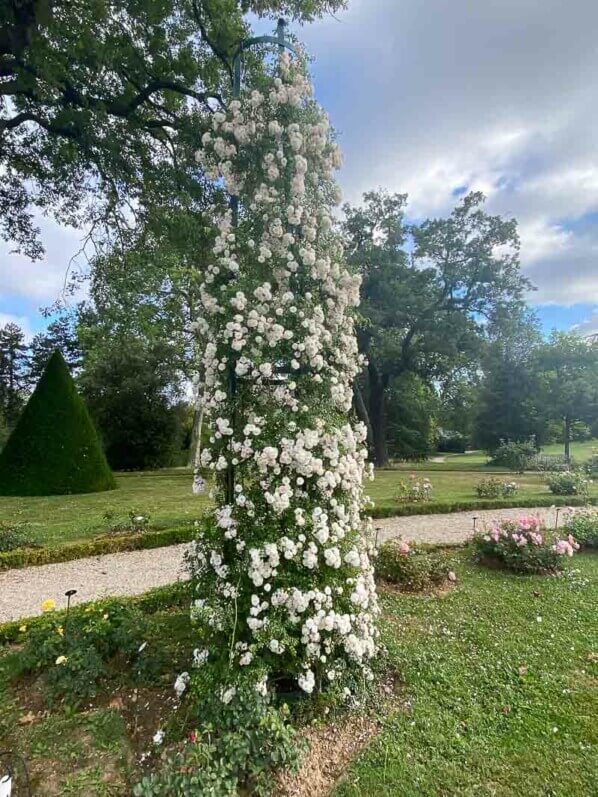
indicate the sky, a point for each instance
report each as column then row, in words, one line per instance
column 434, row 98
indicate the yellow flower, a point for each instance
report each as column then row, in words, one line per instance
column 48, row 605
column 61, row 660
column 106, row 617
column 22, row 628
column 60, row 630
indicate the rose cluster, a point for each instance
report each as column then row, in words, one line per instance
column 283, row 578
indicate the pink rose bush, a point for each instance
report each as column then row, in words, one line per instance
column 523, row 546
column 413, row 568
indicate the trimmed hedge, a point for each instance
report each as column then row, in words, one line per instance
column 447, row 507
column 172, row 596
column 28, row 557
column 54, row 449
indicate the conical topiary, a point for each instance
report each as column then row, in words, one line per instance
column 54, row 448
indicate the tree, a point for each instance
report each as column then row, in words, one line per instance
column 569, row 369
column 412, row 411
column 13, row 372
column 510, row 405
column 132, row 390
column 101, row 104
column 54, row 448
column 427, row 290
column 59, row 336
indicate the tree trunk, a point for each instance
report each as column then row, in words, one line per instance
column 195, row 451
column 362, row 414
column 567, row 434
column 377, row 415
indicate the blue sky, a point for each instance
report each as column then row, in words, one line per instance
column 432, row 99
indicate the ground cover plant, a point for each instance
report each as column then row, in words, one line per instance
column 523, row 546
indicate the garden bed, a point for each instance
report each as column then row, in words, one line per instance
column 497, row 695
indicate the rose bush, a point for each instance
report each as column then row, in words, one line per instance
column 415, row 491
column 413, row 568
column 582, row 524
column 495, row 488
column 284, row 587
column 568, row 482
column 523, row 546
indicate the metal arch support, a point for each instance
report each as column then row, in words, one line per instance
column 246, row 44
column 279, row 40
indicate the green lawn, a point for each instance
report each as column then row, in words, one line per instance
column 167, row 498
column 498, row 688
column 454, row 485
column 581, row 451
column 164, row 495
column 501, row 680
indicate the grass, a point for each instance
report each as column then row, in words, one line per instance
column 495, row 701
column 501, row 683
column 581, row 451
column 166, row 497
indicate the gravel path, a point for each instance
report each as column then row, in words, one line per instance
column 451, row 528
column 22, row 591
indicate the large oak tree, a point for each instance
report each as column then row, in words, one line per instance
column 428, row 292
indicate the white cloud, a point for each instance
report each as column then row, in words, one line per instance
column 588, row 327
column 496, row 96
column 43, row 281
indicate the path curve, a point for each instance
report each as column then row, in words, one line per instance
column 22, row 591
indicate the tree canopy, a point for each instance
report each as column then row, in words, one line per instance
column 428, row 292
column 102, row 104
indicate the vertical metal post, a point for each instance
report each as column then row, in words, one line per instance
column 279, row 40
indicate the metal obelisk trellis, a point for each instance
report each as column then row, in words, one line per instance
column 279, row 40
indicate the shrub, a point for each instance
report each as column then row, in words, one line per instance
column 495, row 488
column 549, row 463
column 411, row 567
column 451, row 442
column 133, row 522
column 15, row 535
column 54, row 448
column 514, row 456
column 415, row 491
column 569, row 482
column 72, row 651
column 241, row 740
column 523, row 546
column 582, row 524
